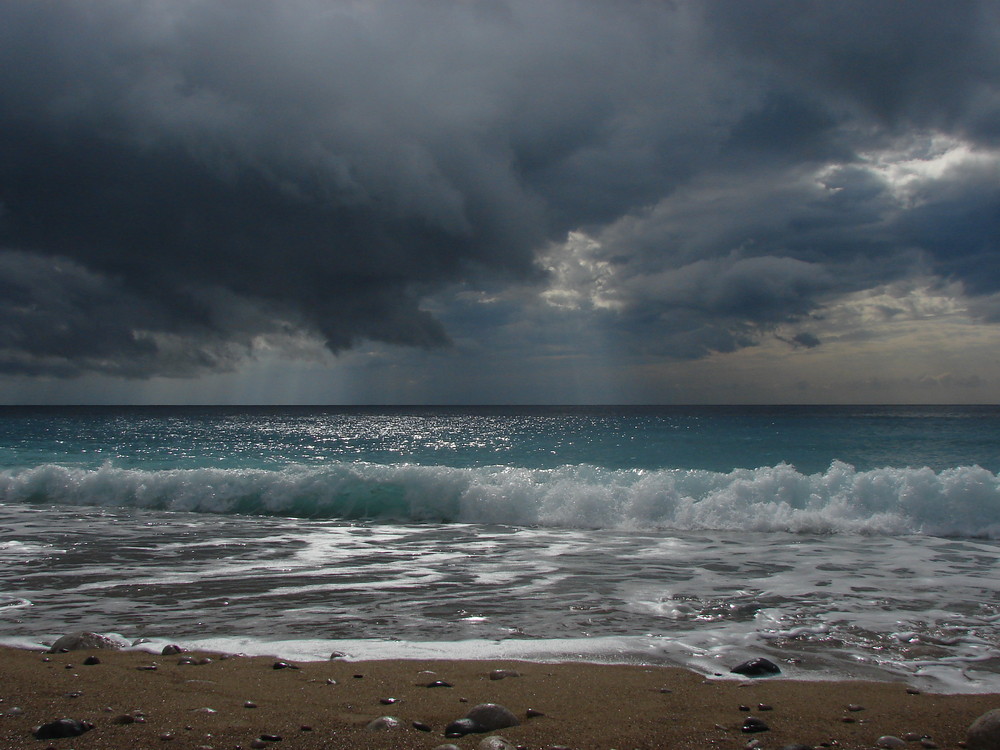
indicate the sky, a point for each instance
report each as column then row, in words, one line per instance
column 503, row 201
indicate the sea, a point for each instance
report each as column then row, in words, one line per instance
column 839, row 542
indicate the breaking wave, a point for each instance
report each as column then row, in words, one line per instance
column 960, row 502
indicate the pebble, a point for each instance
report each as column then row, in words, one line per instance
column 388, row 701
column 743, row 707
column 984, row 732
column 91, row 661
column 384, row 724
column 166, row 737
column 495, row 742
column 62, row 728
column 84, row 641
column 764, row 707
column 171, row 649
column 338, row 655
column 855, row 707
column 283, row 665
column 490, row 716
column 147, row 668
column 270, row 737
column 257, row 744
column 928, row 743
column 305, row 728
column 759, row 667
column 204, row 710
column 439, row 684
column 752, row 724
column 421, row 727
column 249, row 704
column 460, row 728
column 499, row 674
column 123, row 719
column 532, row 713
column 889, row 742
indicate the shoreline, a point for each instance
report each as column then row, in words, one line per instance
column 231, row 702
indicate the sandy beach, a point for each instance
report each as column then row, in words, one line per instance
column 242, row 702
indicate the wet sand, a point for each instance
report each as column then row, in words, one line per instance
column 230, row 703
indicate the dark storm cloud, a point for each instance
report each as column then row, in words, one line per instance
column 179, row 180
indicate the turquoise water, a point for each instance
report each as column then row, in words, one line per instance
column 710, row 438
column 843, row 542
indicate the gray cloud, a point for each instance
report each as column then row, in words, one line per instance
column 203, row 175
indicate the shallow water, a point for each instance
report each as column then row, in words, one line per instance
column 473, row 534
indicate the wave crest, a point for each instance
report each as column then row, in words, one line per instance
column 964, row 501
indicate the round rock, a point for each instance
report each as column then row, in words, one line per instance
column 84, row 641
column 496, row 742
column 752, row 725
column 460, row 728
column 759, row 667
column 500, row 674
column 889, row 742
column 384, row 724
column 62, row 728
column 490, row 716
column 984, row 732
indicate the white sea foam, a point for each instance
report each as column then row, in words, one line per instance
column 962, row 501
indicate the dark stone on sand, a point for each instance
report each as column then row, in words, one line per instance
column 337, row 655
column 388, row 701
column 271, row 737
column 421, row 727
column 147, row 668
column 984, row 732
column 91, row 661
column 439, row 683
column 84, row 641
column 759, row 667
column 532, row 713
column 171, row 649
column 460, row 728
column 890, row 742
column 384, row 724
column 752, row 724
column 485, row 717
column 124, row 719
column 62, row 728
column 283, row 665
